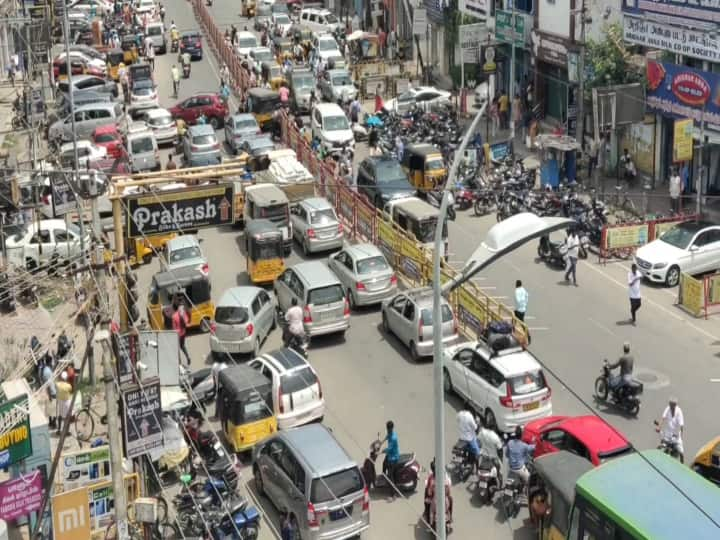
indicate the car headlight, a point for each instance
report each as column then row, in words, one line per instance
column 658, row 266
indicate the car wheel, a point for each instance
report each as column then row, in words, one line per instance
column 305, row 248
column 447, row 383
column 413, row 352
column 385, row 324
column 214, row 122
column 256, row 348
column 673, row 276
column 490, row 421
column 259, row 486
column 351, row 300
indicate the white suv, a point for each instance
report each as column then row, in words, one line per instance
column 298, row 397
column 331, row 126
column 506, row 386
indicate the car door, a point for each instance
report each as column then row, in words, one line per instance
column 407, row 329
column 45, row 245
column 267, row 313
column 282, row 289
column 710, row 250
column 292, row 480
column 256, row 308
column 347, row 271
column 272, row 474
column 336, row 262
column 63, row 243
column 458, row 369
column 478, row 381
column 699, row 255
column 188, row 110
column 395, row 311
column 297, row 218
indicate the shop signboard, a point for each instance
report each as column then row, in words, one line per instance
column 21, row 496
column 500, row 150
column 470, row 310
column 504, row 33
column 101, row 503
column 683, row 92
column 387, row 239
column 160, row 212
column 703, row 14
column 71, row 515
column 411, row 259
column 549, row 49
column 692, row 42
column 84, row 467
column 472, row 36
column 125, row 347
column 63, row 196
column 626, row 236
column 420, row 22
column 683, row 140
column 475, row 8
column 142, row 412
column 690, row 294
column 15, row 441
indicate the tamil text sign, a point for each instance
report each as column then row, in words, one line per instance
column 688, row 42
column 141, row 418
column 626, row 236
column 706, row 12
column 504, row 31
column 683, row 140
column 15, row 441
column 84, row 467
column 71, row 515
column 420, row 21
column 683, row 92
column 472, row 36
column 475, row 8
column 159, row 212
column 20, row 496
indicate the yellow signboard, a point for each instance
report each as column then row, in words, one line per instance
column 626, row 236
column 691, row 294
column 409, row 248
column 71, row 514
column 387, row 238
column 471, row 311
column 365, row 217
column 683, row 140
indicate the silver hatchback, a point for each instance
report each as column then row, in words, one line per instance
column 409, row 315
column 316, row 227
column 244, row 317
column 365, row 274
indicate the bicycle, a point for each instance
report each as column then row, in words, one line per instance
column 85, row 421
column 623, row 202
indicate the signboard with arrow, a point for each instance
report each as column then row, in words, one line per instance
column 142, row 415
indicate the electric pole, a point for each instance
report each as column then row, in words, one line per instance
column 581, row 82
column 512, row 72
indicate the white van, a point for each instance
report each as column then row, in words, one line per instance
column 330, row 124
column 319, row 20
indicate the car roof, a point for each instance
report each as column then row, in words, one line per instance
column 201, row 129
column 593, row 431
column 246, row 34
column 151, row 113
column 243, row 116
column 420, row 208
column 517, row 362
column 80, row 144
column 329, row 108
column 362, row 251
column 316, row 203
column 321, row 274
column 190, row 33
column 140, row 134
column 182, row 241
column 107, row 128
column 100, row 104
column 318, row 448
column 267, row 193
column 283, row 360
column 84, row 77
column 238, row 296
column 260, row 49
column 332, row 72
column 260, row 140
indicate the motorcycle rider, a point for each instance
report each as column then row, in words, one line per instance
column 467, row 428
column 392, row 451
column 671, row 426
column 186, row 59
column 490, row 443
column 625, row 363
column 294, row 318
column 518, row 454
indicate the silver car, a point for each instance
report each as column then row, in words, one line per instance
column 143, row 96
column 143, row 151
column 336, row 85
column 409, row 316
column 162, row 124
column 316, row 227
column 89, row 83
column 244, row 316
column 182, row 252
column 365, row 274
column 201, row 146
column 239, row 128
column 320, row 294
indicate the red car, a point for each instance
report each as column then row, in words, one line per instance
column 210, row 105
column 78, row 67
column 587, row 436
column 109, row 137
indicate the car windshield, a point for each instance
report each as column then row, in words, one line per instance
column 297, row 380
column 20, row 234
column 142, row 91
column 327, row 44
column 330, row 18
column 424, row 230
column 282, row 19
column 160, row 121
column 204, row 139
column 389, row 172
column 335, row 123
column 303, row 81
column 341, row 80
column 427, row 318
column 247, row 43
column 263, row 56
column 407, row 96
column 231, row 315
column 325, row 295
column 183, row 254
column 142, row 145
column 245, row 124
column 527, row 383
column 154, row 31
column 371, row 264
column 336, row 485
column 679, row 236
column 435, row 164
column 322, row 217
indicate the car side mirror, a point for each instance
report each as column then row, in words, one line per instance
column 694, row 247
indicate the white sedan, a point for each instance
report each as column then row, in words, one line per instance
column 43, row 242
column 692, row 247
column 78, row 56
column 99, row 7
column 88, row 153
column 422, row 96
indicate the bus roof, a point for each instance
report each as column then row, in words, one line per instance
column 645, row 501
column 561, row 470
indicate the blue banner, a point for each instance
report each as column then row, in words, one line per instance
column 676, row 11
column 683, row 92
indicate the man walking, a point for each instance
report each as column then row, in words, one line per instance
column 676, row 189
column 521, row 300
column 634, row 277
column 180, row 320
column 573, row 247
column 504, row 106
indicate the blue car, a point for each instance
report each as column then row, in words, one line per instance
column 191, row 42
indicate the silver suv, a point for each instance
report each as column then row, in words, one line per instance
column 305, row 472
column 409, row 315
column 316, row 227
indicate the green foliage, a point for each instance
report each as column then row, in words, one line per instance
column 607, row 61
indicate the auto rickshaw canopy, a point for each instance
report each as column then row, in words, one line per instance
column 247, row 393
column 263, row 100
column 115, row 57
column 190, row 283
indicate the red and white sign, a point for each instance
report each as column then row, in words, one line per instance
column 691, row 89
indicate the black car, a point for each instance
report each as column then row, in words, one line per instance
column 382, row 178
column 191, row 42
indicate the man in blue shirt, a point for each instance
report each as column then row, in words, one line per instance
column 518, row 453
column 392, row 452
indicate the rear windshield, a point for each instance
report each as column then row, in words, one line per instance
column 105, row 137
column 427, row 318
column 141, row 146
column 322, row 217
column 154, row 31
column 160, row 121
column 182, row 254
column 231, row 315
column 372, row 264
column 204, row 139
column 527, row 383
column 246, row 123
column 256, row 408
column 247, row 43
column 297, row 380
column 326, row 295
column 336, row 485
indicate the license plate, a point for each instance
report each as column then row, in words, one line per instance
column 341, row 513
column 482, row 484
column 531, row 406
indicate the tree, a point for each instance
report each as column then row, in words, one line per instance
column 608, row 61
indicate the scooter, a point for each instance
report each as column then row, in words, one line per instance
column 186, row 71
column 626, row 395
column 552, row 252
column 463, row 460
column 489, row 478
column 512, row 495
column 406, row 471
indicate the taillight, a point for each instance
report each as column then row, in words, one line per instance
column 346, row 309
column 213, row 327
column 312, row 518
column 366, row 501
column 307, row 317
column 340, row 228
column 311, row 233
column 216, row 146
column 547, row 396
column 281, row 407
column 205, row 268
column 194, row 148
column 249, row 328
column 393, row 280
column 198, row 43
column 506, row 400
column 360, row 286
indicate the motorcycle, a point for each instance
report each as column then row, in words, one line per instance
column 668, row 444
column 174, row 45
column 406, row 471
column 626, row 395
column 244, row 525
column 64, row 346
column 489, row 478
column 430, row 515
column 299, row 344
column 483, row 203
column 200, row 382
column 186, row 71
column 463, row 460
column 512, row 495
column 552, row 252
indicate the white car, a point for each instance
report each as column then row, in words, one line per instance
column 143, row 96
column 506, row 386
column 331, row 126
column 88, row 153
column 281, row 23
column 41, row 243
column 422, row 96
column 327, row 47
column 246, row 41
column 145, row 6
column 82, row 57
column 162, row 124
column 692, row 247
column 100, row 7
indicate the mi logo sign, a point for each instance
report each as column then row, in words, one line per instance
column 71, row 515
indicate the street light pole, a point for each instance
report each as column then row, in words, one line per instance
column 512, row 72
column 437, row 335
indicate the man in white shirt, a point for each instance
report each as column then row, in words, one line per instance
column 490, row 443
column 573, row 247
column 671, row 426
column 676, row 189
column 294, row 318
column 634, row 278
column 467, row 429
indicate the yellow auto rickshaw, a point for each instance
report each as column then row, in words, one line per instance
column 113, row 59
column 273, row 73
column 129, row 46
column 283, row 48
column 707, row 461
column 264, row 251
column 425, row 166
column 262, row 103
column 137, row 250
column 187, row 285
column 244, row 406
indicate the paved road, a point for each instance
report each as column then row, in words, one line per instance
column 369, row 378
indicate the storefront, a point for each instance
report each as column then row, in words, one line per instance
column 554, row 90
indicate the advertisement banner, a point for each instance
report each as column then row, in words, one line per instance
column 21, row 496
column 660, row 227
column 63, row 196
column 365, row 222
column 71, row 515
column 141, row 419
column 347, row 204
column 470, row 311
column 472, row 36
column 387, row 239
column 703, row 14
column 504, row 33
column 626, row 236
column 690, row 294
column 15, row 443
column 688, row 42
column 683, row 140
column 683, row 92
column 180, row 209
column 84, row 467
column 125, row 347
column 102, row 505
column 412, row 259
